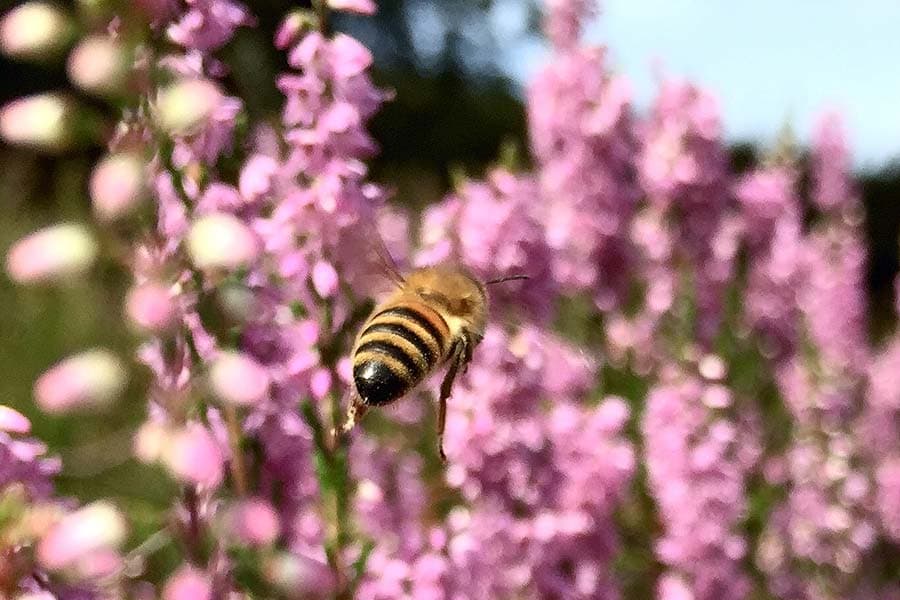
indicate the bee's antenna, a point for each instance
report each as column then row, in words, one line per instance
column 510, row 278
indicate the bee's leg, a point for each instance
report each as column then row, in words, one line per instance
column 355, row 411
column 459, row 358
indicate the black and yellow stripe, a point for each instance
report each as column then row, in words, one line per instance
column 398, row 347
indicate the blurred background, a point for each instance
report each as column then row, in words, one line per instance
column 458, row 68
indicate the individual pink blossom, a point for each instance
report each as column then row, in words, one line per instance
column 324, row 278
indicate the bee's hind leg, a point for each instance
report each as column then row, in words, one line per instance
column 460, row 357
column 355, row 411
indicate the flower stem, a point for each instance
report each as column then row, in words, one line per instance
column 238, row 469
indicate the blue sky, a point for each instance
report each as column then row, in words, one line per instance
column 769, row 62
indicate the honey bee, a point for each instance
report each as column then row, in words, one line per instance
column 435, row 317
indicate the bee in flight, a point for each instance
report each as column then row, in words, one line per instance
column 435, row 317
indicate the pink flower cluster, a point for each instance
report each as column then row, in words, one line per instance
column 623, row 394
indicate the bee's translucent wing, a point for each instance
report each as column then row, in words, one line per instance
column 377, row 266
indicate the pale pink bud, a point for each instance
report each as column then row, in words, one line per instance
column 362, row 7
column 320, row 383
column 254, row 522
column 99, row 564
column 64, row 251
column 221, row 241
column 117, row 186
column 98, row 526
column 194, row 456
column 188, row 584
column 236, row 378
column 34, row 31
column 348, row 56
column 43, row 121
column 256, row 176
column 298, row 575
column 13, row 421
column 151, row 441
column 183, row 106
column 98, row 65
column 151, row 307
column 325, row 279
column 92, row 379
column 292, row 27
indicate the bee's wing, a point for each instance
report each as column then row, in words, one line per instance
column 377, row 268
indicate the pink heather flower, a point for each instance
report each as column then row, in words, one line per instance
column 767, row 197
column 188, row 583
column 683, row 168
column 774, row 283
column 698, row 462
column 221, row 241
column 43, row 121
column 58, row 252
column 151, row 307
column 34, row 30
column 99, row 65
column 564, row 19
column 22, row 460
column 831, row 164
column 237, row 379
column 833, row 300
column 194, row 456
column 117, row 186
column 94, row 528
column 254, row 522
column 362, row 7
column 89, row 380
column 582, row 137
column 208, row 25
column 13, row 421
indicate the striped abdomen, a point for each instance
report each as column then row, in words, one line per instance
column 399, row 345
